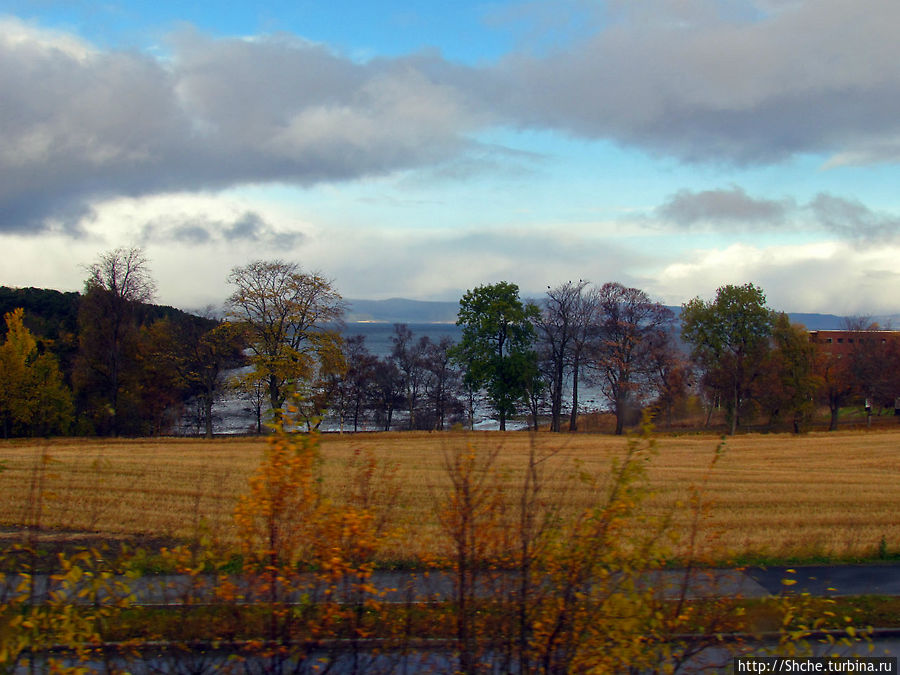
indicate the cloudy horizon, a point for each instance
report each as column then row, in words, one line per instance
column 671, row 146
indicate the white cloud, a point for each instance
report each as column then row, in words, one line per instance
column 15, row 33
column 830, row 277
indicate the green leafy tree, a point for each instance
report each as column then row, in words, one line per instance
column 496, row 346
column 730, row 338
column 34, row 400
column 291, row 318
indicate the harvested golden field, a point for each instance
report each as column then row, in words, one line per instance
column 831, row 494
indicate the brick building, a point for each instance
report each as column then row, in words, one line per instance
column 842, row 342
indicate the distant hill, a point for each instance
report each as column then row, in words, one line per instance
column 818, row 321
column 47, row 311
column 400, row 310
column 50, row 313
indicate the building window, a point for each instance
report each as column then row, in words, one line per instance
column 840, row 341
column 828, row 340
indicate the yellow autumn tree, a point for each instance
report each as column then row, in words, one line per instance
column 289, row 316
column 309, row 559
column 34, row 400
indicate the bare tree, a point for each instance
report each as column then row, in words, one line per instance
column 442, row 382
column 672, row 376
column 358, row 381
column 558, row 331
column 124, row 273
column 632, row 329
column 872, row 363
column 584, row 335
column 292, row 319
column 387, row 391
column 409, row 355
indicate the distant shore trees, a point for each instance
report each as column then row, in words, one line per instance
column 108, row 362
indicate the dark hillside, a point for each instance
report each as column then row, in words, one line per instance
column 48, row 313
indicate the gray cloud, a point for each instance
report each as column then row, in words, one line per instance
column 854, row 221
column 849, row 219
column 732, row 206
column 742, row 82
column 82, row 126
column 723, row 82
column 190, row 234
column 248, row 228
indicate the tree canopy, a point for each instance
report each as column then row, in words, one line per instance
column 729, row 336
column 496, row 348
column 33, row 397
column 291, row 318
column 633, row 333
column 107, row 368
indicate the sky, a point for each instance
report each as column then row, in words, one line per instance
column 422, row 149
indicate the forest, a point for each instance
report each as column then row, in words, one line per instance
column 109, row 362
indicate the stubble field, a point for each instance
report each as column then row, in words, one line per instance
column 771, row 496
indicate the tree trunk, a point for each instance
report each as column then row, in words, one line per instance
column 556, row 402
column 274, row 395
column 207, row 415
column 573, row 419
column 620, row 416
column 734, row 412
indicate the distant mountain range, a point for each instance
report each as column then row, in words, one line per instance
column 400, row 310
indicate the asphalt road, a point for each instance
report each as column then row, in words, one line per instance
column 403, row 586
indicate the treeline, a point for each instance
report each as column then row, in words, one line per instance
column 732, row 356
column 109, row 362
column 106, row 361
